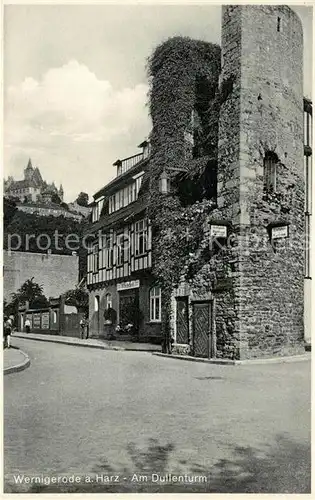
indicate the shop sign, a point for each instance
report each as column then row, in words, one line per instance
column 217, row 231
column 279, row 232
column 128, row 285
column 36, row 320
column 45, row 320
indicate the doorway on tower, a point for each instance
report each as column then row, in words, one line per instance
column 182, row 325
column 203, row 338
column 129, row 315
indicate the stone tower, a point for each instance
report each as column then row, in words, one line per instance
column 28, row 171
column 61, row 192
column 261, row 177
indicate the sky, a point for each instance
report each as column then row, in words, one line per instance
column 75, row 84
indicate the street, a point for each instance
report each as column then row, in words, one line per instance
column 83, row 411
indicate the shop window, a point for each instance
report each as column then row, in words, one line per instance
column 108, row 300
column 155, row 304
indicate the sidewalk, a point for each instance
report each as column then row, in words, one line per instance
column 114, row 345
column 14, row 360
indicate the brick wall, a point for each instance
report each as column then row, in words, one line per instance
column 56, row 273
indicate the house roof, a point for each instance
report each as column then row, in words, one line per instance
column 121, row 179
column 21, row 184
column 308, row 105
column 121, row 216
column 29, row 165
column 48, row 190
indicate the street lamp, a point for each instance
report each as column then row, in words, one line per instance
column 165, row 181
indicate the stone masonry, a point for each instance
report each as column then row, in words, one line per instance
column 262, row 56
column 56, row 273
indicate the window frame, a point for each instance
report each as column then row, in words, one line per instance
column 122, row 251
column 112, row 203
column 108, row 300
column 141, row 235
column 97, row 209
column 95, row 258
column 155, row 297
column 138, row 183
column 271, row 163
column 109, row 251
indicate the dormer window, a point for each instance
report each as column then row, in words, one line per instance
column 97, row 209
column 146, row 148
column 118, row 164
column 125, row 196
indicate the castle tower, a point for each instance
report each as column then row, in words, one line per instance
column 28, row 171
column 261, row 179
column 61, row 192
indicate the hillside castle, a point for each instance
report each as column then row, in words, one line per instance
column 32, row 188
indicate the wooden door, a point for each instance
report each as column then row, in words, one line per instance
column 202, row 335
column 129, row 309
column 182, row 328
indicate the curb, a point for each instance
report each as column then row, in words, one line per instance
column 76, row 344
column 231, row 362
column 20, row 367
column 71, row 343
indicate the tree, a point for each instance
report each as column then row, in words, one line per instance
column 30, row 292
column 9, row 210
column 11, row 308
column 79, row 298
column 24, row 224
column 83, row 199
column 55, row 198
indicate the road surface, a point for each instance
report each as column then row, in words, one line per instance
column 81, row 411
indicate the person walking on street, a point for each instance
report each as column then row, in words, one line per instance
column 12, row 318
column 7, row 330
column 27, row 326
column 82, row 327
column 86, row 326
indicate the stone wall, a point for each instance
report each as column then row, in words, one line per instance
column 56, row 273
column 262, row 50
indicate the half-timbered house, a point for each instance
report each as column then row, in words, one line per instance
column 121, row 288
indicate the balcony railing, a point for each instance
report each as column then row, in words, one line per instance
column 127, row 163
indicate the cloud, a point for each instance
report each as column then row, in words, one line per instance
column 70, row 112
column 70, row 101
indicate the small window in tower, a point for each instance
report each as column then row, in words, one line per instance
column 279, row 24
column 271, row 161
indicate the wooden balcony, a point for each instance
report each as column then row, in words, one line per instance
column 124, row 165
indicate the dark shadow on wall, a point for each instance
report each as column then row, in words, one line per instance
column 283, row 468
